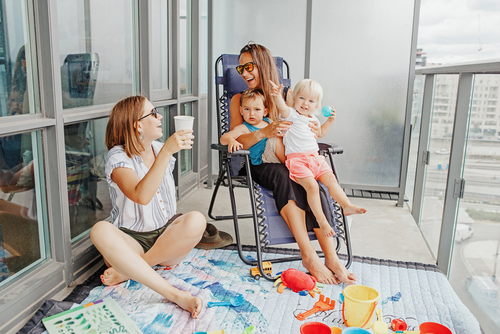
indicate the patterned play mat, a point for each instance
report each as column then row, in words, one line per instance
column 413, row 292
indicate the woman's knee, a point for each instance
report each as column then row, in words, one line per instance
column 195, row 222
column 101, row 228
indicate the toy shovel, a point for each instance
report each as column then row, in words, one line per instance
column 320, row 305
column 379, row 326
column 235, row 302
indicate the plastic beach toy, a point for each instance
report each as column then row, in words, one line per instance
column 320, row 305
column 295, row 280
column 327, row 111
column 236, row 301
column 355, row 330
column 379, row 326
column 336, row 330
column 433, row 328
column 315, row 328
column 359, row 305
column 398, row 325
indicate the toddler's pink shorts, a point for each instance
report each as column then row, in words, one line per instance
column 308, row 164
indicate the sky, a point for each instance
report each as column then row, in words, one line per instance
column 457, row 31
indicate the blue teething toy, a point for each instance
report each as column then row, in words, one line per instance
column 327, row 111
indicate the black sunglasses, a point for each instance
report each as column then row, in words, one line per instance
column 153, row 112
column 247, row 67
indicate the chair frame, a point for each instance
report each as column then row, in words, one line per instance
column 226, row 172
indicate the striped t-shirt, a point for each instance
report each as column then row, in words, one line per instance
column 134, row 216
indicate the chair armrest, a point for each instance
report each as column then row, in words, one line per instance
column 223, row 148
column 330, row 148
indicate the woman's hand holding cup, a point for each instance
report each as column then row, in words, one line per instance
column 181, row 140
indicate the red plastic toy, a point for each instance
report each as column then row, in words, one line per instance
column 296, row 280
column 398, row 325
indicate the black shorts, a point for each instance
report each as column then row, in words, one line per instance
column 148, row 239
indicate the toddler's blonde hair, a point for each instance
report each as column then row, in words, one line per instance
column 310, row 87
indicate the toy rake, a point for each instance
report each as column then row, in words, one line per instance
column 320, row 305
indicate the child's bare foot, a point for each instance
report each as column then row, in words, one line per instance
column 353, row 209
column 189, row 303
column 320, row 271
column 112, row 277
column 326, row 229
column 338, row 268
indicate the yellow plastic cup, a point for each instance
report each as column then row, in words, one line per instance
column 359, row 305
column 336, row 330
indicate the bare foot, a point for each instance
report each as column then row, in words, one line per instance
column 320, row 271
column 189, row 303
column 338, row 268
column 112, row 277
column 326, row 229
column 353, row 209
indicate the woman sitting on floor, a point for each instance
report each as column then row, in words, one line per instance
column 145, row 229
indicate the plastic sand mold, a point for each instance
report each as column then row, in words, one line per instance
column 102, row 316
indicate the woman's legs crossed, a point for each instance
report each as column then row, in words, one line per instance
column 126, row 258
column 177, row 240
column 170, row 248
column 295, row 219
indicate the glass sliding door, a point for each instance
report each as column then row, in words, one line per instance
column 475, row 260
column 23, row 221
column 441, row 128
column 88, row 193
column 97, row 47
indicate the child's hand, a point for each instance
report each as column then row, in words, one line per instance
column 234, row 145
column 331, row 118
column 315, row 128
column 276, row 90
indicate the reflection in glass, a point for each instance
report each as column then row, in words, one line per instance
column 475, row 262
column 203, row 47
column 441, row 128
column 96, row 43
column 185, row 46
column 186, row 156
column 18, row 93
column 21, row 205
column 160, row 40
column 88, row 193
column 416, row 115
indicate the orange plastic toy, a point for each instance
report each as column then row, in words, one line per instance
column 320, row 305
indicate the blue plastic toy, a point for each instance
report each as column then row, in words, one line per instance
column 327, row 111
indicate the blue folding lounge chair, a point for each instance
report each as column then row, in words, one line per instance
column 270, row 228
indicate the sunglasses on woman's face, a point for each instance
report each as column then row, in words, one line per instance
column 247, row 67
column 153, row 112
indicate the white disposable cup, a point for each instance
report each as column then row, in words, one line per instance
column 183, row 122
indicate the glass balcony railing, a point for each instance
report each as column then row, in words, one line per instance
column 454, row 170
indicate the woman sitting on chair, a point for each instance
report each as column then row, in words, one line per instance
column 258, row 68
column 145, row 229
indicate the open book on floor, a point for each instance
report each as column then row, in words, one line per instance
column 102, row 316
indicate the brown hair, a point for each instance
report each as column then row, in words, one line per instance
column 121, row 129
column 252, row 93
column 264, row 60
